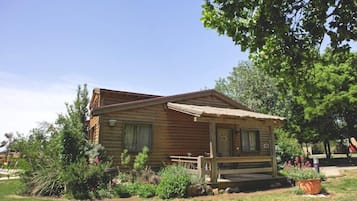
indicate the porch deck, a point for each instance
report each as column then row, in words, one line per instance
column 248, row 180
column 213, row 173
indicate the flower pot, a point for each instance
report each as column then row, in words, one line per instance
column 310, row 186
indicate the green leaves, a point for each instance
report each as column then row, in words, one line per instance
column 254, row 88
column 283, row 37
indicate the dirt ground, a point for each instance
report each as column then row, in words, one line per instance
column 213, row 197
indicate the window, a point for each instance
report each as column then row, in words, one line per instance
column 250, row 140
column 137, row 136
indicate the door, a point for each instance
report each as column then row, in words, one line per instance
column 224, row 142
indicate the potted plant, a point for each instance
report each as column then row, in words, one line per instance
column 305, row 177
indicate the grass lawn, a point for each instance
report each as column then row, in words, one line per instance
column 339, row 189
column 9, row 189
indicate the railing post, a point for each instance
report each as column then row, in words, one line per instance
column 200, row 167
column 213, row 150
column 272, row 153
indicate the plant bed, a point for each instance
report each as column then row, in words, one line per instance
column 305, row 177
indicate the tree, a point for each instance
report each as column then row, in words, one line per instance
column 73, row 127
column 253, row 87
column 329, row 96
column 283, row 37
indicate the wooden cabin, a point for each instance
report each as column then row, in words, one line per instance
column 208, row 132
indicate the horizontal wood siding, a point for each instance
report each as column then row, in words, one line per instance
column 174, row 133
column 94, row 123
column 112, row 137
column 262, row 127
column 186, row 136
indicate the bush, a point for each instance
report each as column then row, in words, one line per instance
column 82, row 178
column 174, row 182
column 146, row 190
column 141, row 159
column 288, row 146
column 121, row 191
column 132, row 188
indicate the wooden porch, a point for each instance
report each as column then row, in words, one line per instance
column 225, row 171
column 231, row 166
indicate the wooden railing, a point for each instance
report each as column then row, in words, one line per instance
column 214, row 167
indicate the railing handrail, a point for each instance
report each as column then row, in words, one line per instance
column 184, row 157
column 244, row 159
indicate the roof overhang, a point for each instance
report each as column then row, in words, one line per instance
column 222, row 115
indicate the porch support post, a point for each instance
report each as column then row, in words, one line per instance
column 213, row 151
column 272, row 152
column 200, row 168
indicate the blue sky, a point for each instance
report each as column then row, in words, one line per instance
column 49, row 47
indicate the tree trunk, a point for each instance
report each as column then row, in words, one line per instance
column 327, row 150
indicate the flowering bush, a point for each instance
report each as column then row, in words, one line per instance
column 300, row 169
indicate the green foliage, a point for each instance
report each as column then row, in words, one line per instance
column 125, row 158
column 252, row 87
column 96, row 151
column 40, row 156
column 288, row 147
column 141, row 159
column 121, row 191
column 73, row 127
column 44, row 180
column 132, row 187
column 82, row 178
column 298, row 191
column 329, row 95
column 283, row 36
column 300, row 170
column 174, row 182
column 103, row 193
column 56, row 157
column 143, row 190
column 146, row 190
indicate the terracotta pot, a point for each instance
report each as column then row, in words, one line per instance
column 310, row 186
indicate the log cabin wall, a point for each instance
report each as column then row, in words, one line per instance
column 94, row 127
column 173, row 133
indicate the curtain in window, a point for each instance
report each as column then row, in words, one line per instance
column 252, row 140
column 245, row 141
column 143, row 136
column 137, row 136
column 130, row 137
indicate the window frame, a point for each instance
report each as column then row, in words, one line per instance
column 257, row 140
column 136, row 124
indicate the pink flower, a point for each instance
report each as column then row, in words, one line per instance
column 96, row 160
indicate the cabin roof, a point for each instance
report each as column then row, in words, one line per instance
column 165, row 99
column 98, row 91
column 208, row 111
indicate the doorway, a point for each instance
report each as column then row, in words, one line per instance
column 224, row 142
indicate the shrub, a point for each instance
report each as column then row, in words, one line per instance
column 81, row 178
column 288, row 146
column 132, row 188
column 121, row 191
column 300, row 170
column 146, row 190
column 103, row 193
column 174, row 182
column 141, row 159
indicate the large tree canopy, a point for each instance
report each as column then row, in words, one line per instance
column 253, row 87
column 331, row 92
column 284, row 36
